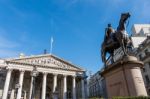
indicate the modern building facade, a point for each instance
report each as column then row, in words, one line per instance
column 141, row 42
column 41, row 77
column 143, row 54
column 96, row 86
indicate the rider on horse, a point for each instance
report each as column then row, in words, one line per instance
column 115, row 39
column 109, row 35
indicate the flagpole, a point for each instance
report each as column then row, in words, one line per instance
column 51, row 45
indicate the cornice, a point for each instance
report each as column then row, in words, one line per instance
column 39, row 65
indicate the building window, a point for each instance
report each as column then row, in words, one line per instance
column 146, row 52
column 147, row 79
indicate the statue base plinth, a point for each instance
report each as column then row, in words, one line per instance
column 124, row 78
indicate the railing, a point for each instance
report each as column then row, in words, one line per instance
column 118, row 54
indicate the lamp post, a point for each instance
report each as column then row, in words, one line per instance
column 34, row 74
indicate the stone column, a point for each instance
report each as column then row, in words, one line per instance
column 65, row 88
column 77, row 90
column 20, row 83
column 25, row 95
column 61, row 89
column 44, row 86
column 6, row 86
column 31, row 87
column 12, row 94
column 55, row 82
column 74, row 87
column 83, row 91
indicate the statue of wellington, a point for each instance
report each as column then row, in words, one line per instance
column 115, row 39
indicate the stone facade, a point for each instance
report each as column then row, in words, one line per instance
column 41, row 77
column 143, row 54
column 141, row 42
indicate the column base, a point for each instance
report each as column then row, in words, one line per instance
column 55, row 95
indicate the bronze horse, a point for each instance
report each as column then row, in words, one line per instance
column 114, row 40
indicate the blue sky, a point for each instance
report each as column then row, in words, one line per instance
column 77, row 27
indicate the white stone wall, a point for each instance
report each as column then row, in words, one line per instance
column 140, row 29
column 139, row 33
column 136, row 40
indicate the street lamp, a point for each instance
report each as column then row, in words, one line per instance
column 34, row 74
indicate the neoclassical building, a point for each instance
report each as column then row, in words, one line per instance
column 41, row 77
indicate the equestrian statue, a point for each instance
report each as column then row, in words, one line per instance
column 115, row 39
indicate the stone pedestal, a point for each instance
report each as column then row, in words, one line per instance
column 124, row 78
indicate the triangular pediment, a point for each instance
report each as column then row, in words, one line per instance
column 47, row 60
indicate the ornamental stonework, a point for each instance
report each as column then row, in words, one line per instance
column 46, row 60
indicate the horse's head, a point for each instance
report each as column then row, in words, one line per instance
column 125, row 16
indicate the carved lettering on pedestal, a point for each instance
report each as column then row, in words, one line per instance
column 115, row 84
